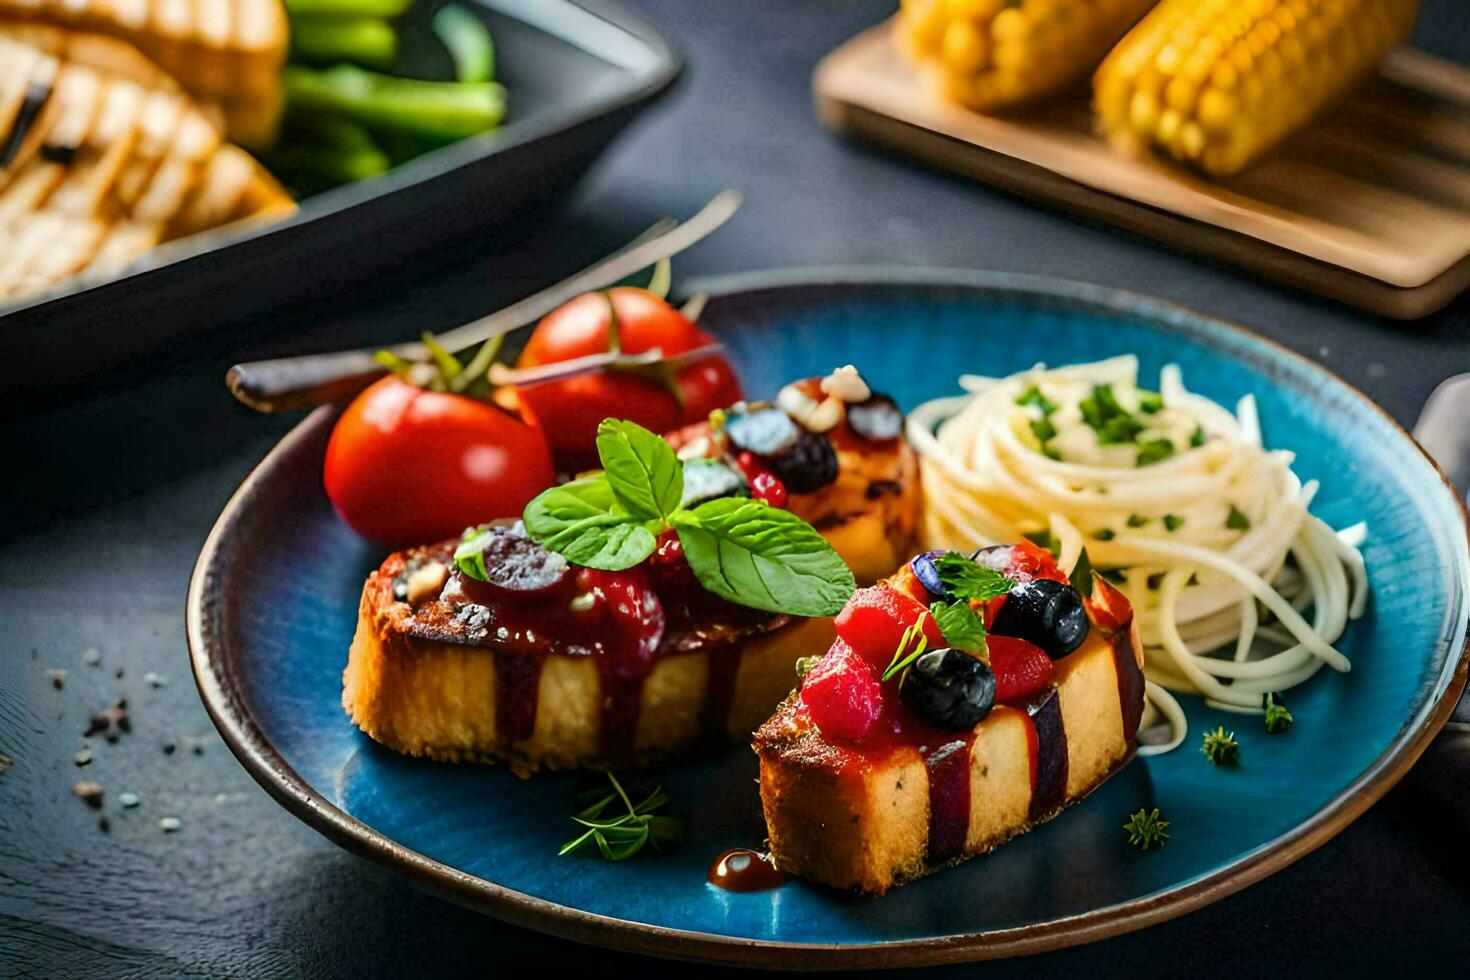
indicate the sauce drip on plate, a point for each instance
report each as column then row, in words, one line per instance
column 744, row 870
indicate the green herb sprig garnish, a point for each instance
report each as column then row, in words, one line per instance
column 911, row 647
column 1082, row 574
column 969, row 580
column 1221, row 748
column 1278, row 719
column 1153, row 451
column 961, row 627
column 1032, row 396
column 1145, row 829
column 620, row 837
column 1236, row 520
column 741, row 549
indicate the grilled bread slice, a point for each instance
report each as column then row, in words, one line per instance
column 225, row 51
column 449, row 668
column 904, row 801
column 103, row 156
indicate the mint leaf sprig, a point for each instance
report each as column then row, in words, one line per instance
column 741, row 549
column 965, row 579
column 961, row 627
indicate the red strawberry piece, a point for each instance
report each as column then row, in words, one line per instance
column 907, row 583
column 842, row 694
column 1021, row 668
column 1031, row 561
column 1109, row 608
column 875, row 618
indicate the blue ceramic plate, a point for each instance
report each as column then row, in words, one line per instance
column 274, row 599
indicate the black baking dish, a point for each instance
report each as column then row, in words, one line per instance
column 577, row 73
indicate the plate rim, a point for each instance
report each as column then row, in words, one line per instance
column 224, row 703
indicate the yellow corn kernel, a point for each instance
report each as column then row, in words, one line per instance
column 965, row 49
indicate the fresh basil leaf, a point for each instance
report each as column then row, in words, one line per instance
column 763, row 557
column 584, row 523
column 970, row 581
column 642, row 470
column 962, row 629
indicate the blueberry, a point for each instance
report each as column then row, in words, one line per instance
column 765, row 432
column 949, row 689
column 995, row 556
column 1046, row 613
column 516, row 564
column 928, row 575
column 877, row 419
column 709, row 479
column 806, row 467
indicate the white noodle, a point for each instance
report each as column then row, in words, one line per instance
column 1223, row 611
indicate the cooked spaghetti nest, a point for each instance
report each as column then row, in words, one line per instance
column 1238, row 590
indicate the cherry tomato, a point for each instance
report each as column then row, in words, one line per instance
column 407, row 466
column 569, row 410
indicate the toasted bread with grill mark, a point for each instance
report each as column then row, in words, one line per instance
column 427, row 690
column 859, row 818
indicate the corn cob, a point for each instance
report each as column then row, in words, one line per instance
column 993, row 55
column 103, row 156
column 1217, row 83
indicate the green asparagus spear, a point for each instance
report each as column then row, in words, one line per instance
column 368, row 41
column 439, row 110
column 468, row 41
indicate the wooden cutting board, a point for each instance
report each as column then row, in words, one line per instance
column 1370, row 206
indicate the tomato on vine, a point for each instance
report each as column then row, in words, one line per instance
column 624, row 320
column 409, row 463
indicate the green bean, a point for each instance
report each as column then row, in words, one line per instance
column 468, row 41
column 439, row 110
column 367, row 41
column 348, row 8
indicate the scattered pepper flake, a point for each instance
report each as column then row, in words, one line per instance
column 111, row 722
column 57, row 678
column 89, row 793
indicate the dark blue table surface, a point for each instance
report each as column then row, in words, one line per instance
column 108, row 498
